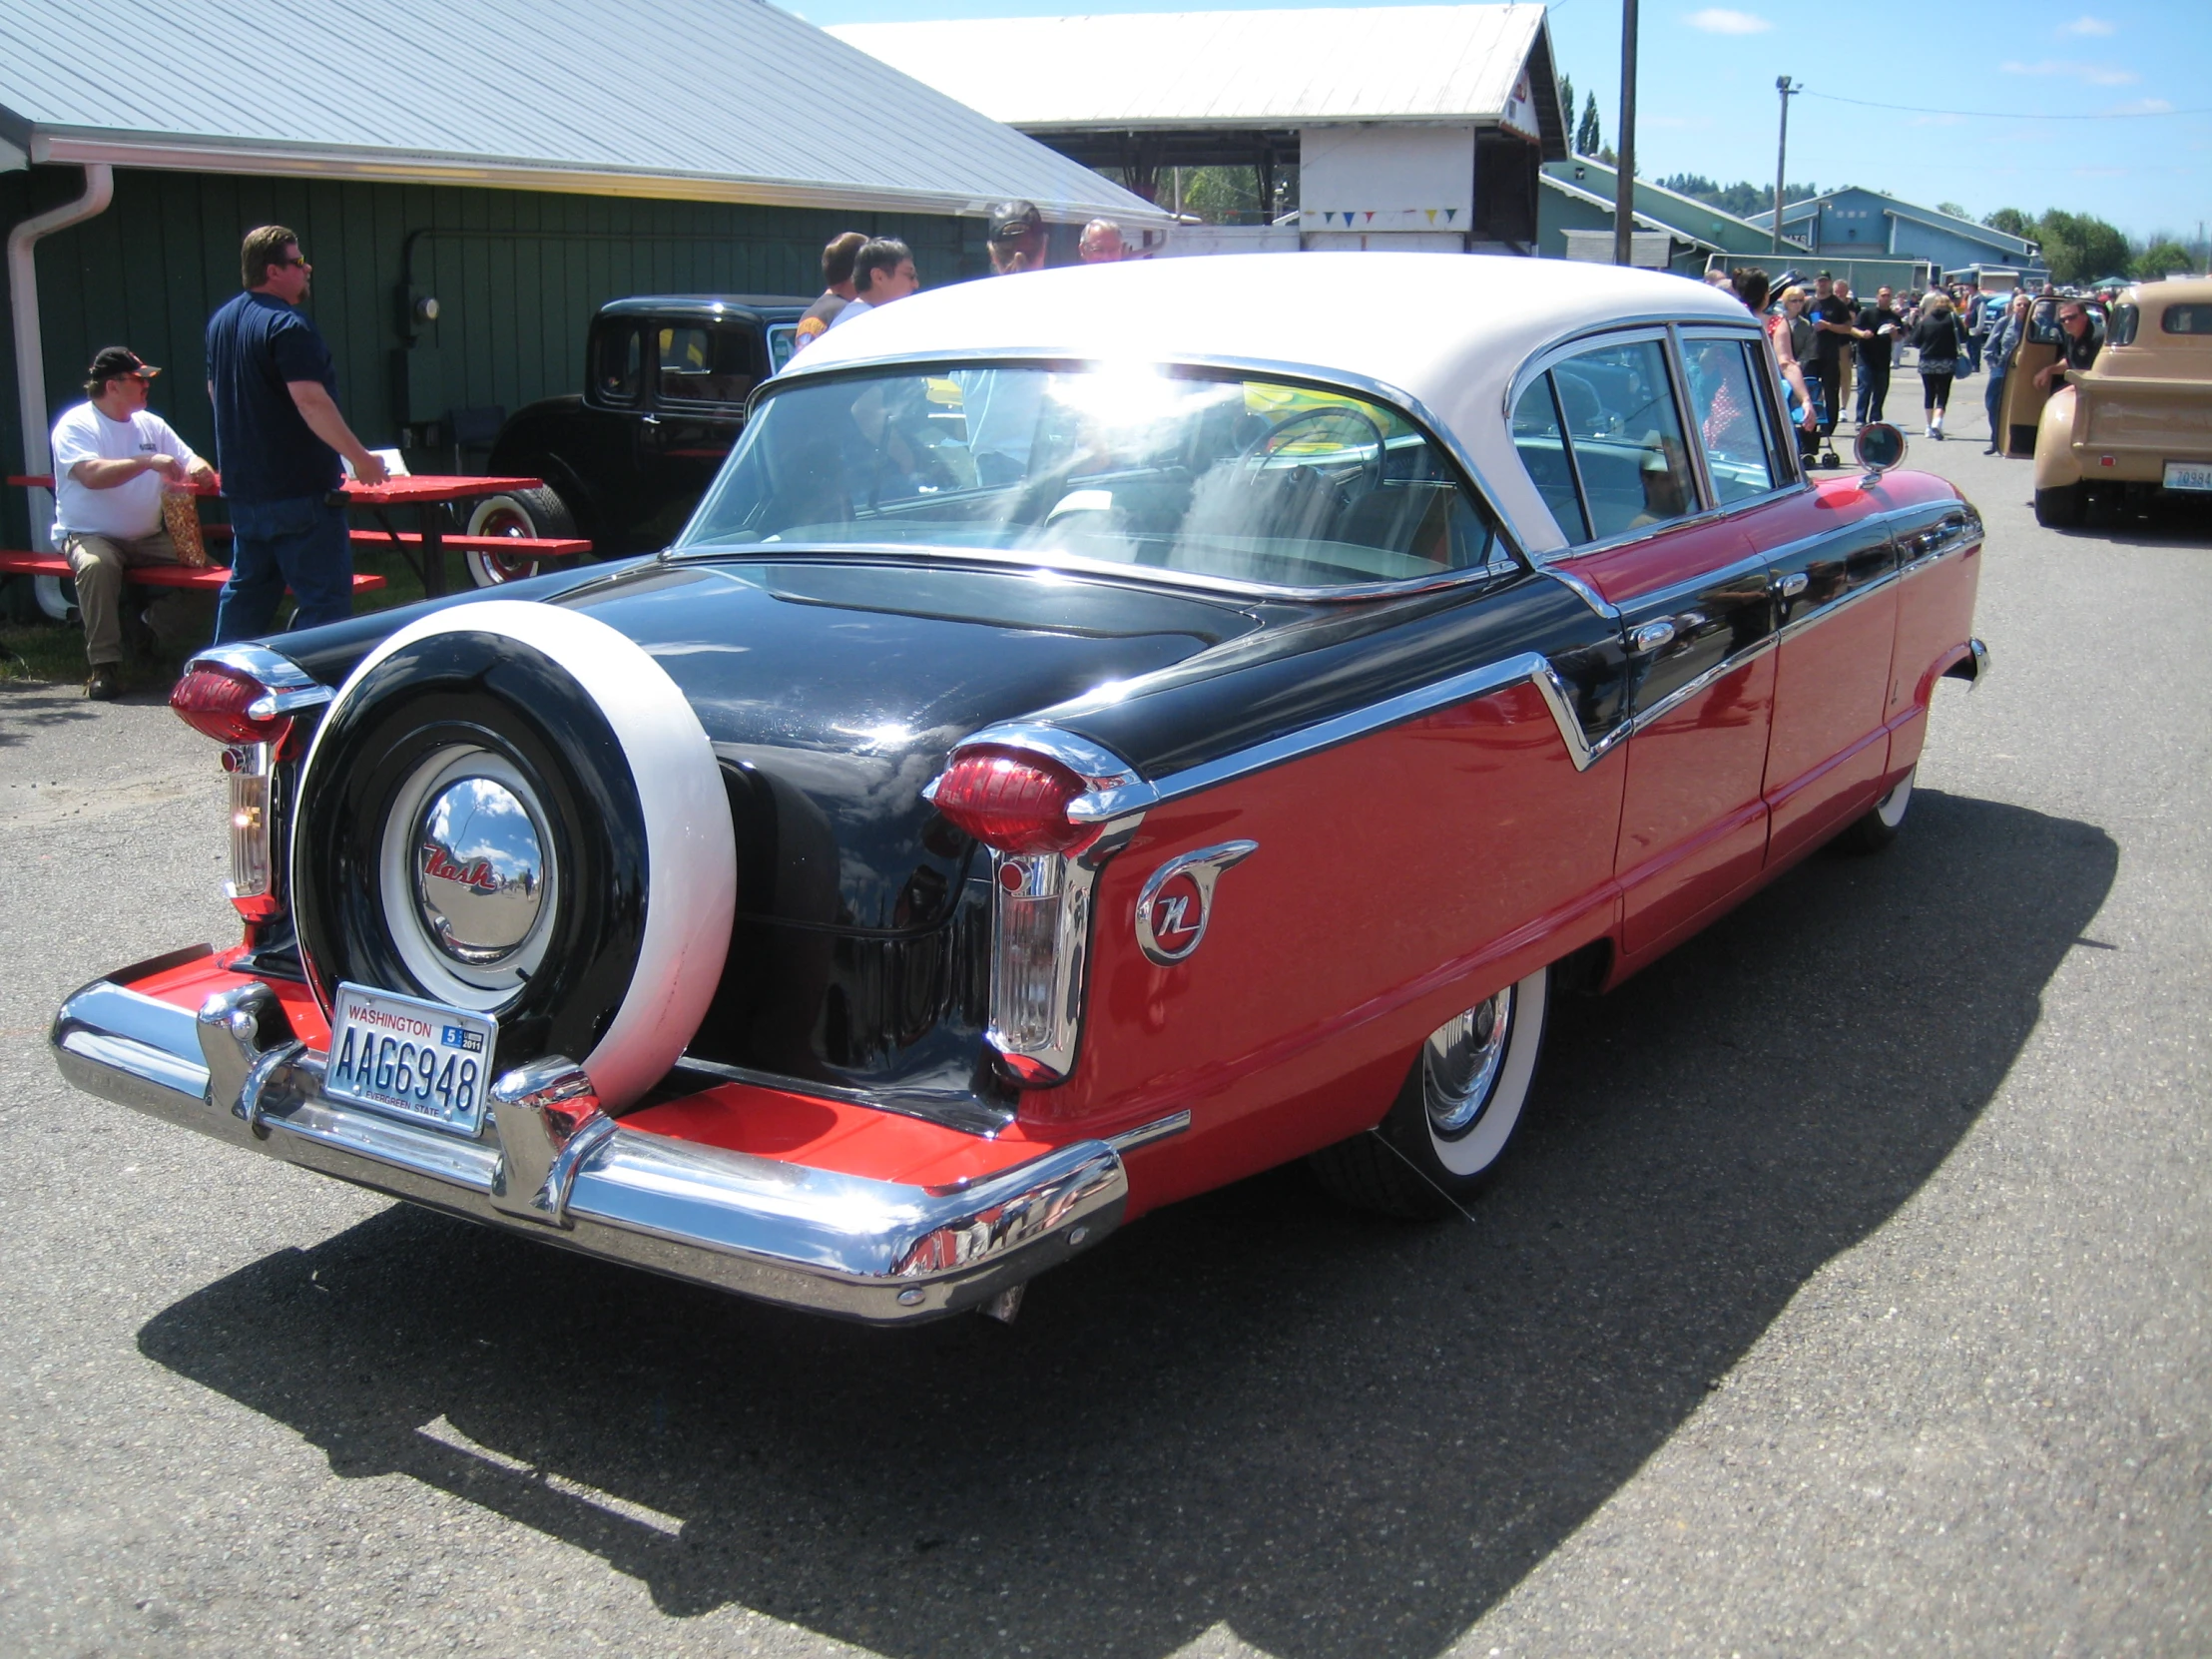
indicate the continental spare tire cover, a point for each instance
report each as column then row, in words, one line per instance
column 511, row 808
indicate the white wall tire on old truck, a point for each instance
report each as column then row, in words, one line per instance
column 536, row 740
column 524, row 512
column 1460, row 1105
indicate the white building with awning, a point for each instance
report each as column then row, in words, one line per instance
column 1409, row 126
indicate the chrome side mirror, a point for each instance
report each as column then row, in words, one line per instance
column 1878, row 447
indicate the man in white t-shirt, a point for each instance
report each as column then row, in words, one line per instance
column 112, row 460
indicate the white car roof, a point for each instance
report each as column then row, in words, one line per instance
column 1450, row 332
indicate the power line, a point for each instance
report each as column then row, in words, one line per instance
column 2005, row 114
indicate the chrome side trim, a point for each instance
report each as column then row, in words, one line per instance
column 878, row 1251
column 1580, row 589
column 1690, row 688
column 290, row 686
column 1835, row 607
column 1145, row 1134
column 1530, row 668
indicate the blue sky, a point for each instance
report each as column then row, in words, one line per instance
column 1975, row 78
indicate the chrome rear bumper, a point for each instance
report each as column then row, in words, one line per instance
column 550, row 1165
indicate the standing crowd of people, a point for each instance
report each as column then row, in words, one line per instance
column 1835, row 351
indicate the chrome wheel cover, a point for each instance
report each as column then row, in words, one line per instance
column 1460, row 1062
column 467, row 880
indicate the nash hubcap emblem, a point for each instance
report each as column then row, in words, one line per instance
column 1178, row 900
column 480, row 872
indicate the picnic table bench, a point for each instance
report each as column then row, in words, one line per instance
column 424, row 548
column 199, row 579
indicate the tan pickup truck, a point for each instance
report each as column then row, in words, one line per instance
column 2138, row 421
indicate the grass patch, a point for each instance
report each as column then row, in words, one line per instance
column 43, row 652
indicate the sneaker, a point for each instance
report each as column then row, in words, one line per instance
column 1991, row 450
column 104, row 685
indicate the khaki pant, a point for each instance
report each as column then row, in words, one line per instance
column 1846, row 363
column 97, row 563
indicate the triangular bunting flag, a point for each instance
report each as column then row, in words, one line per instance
column 1431, row 216
column 1450, row 213
column 1371, row 215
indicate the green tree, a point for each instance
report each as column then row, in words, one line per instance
column 2163, row 258
column 2012, row 223
column 2081, row 248
column 1566, row 102
column 1952, row 208
column 1222, row 194
column 1589, row 139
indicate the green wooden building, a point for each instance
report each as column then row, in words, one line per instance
column 714, row 145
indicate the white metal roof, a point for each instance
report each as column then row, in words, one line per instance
column 1450, row 332
column 1247, row 67
column 709, row 100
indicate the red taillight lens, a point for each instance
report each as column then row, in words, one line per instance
column 1013, row 802
column 218, row 700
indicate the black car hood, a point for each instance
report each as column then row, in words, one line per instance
column 834, row 691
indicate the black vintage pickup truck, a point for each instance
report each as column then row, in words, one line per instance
column 666, row 378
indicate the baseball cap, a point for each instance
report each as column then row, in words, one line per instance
column 1013, row 221
column 115, row 360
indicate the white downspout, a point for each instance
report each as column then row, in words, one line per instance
column 30, row 359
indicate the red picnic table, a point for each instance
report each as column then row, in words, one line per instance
column 426, row 546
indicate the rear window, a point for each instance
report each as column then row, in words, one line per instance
column 1217, row 477
column 2186, row 319
column 1623, row 454
column 2125, row 321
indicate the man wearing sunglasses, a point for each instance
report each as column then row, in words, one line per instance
column 113, row 457
column 277, row 440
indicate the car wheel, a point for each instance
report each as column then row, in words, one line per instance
column 1880, row 825
column 1463, row 1101
column 2062, row 508
column 528, row 513
column 510, row 808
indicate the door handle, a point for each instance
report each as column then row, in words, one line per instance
column 1792, row 585
column 1652, row 636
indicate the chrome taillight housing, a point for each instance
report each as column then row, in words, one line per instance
column 1044, row 803
column 249, row 699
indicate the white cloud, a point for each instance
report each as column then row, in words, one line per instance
column 1719, row 20
column 2143, row 106
column 2097, row 74
column 2089, row 26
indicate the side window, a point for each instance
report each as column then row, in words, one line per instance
column 1543, row 451
column 1723, row 398
column 2181, row 320
column 618, row 371
column 701, row 364
column 1624, row 431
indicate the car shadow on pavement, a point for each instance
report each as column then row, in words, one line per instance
column 1341, row 1438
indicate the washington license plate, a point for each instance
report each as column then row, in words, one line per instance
column 419, row 1060
column 2188, row 475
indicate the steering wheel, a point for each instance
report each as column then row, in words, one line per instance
column 1270, row 443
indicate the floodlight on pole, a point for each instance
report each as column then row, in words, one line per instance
column 1782, row 154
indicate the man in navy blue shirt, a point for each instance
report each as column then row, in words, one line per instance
column 277, row 440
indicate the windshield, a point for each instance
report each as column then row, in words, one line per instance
column 1243, row 480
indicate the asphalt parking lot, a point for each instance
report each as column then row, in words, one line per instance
column 1848, row 1292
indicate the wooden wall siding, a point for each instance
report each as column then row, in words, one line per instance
column 513, row 307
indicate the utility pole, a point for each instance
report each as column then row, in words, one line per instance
column 1624, row 180
column 1782, row 155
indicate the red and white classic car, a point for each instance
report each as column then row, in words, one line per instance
column 1104, row 733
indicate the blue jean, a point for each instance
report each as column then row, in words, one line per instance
column 301, row 544
column 1993, row 399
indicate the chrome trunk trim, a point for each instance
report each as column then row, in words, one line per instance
column 862, row 1249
